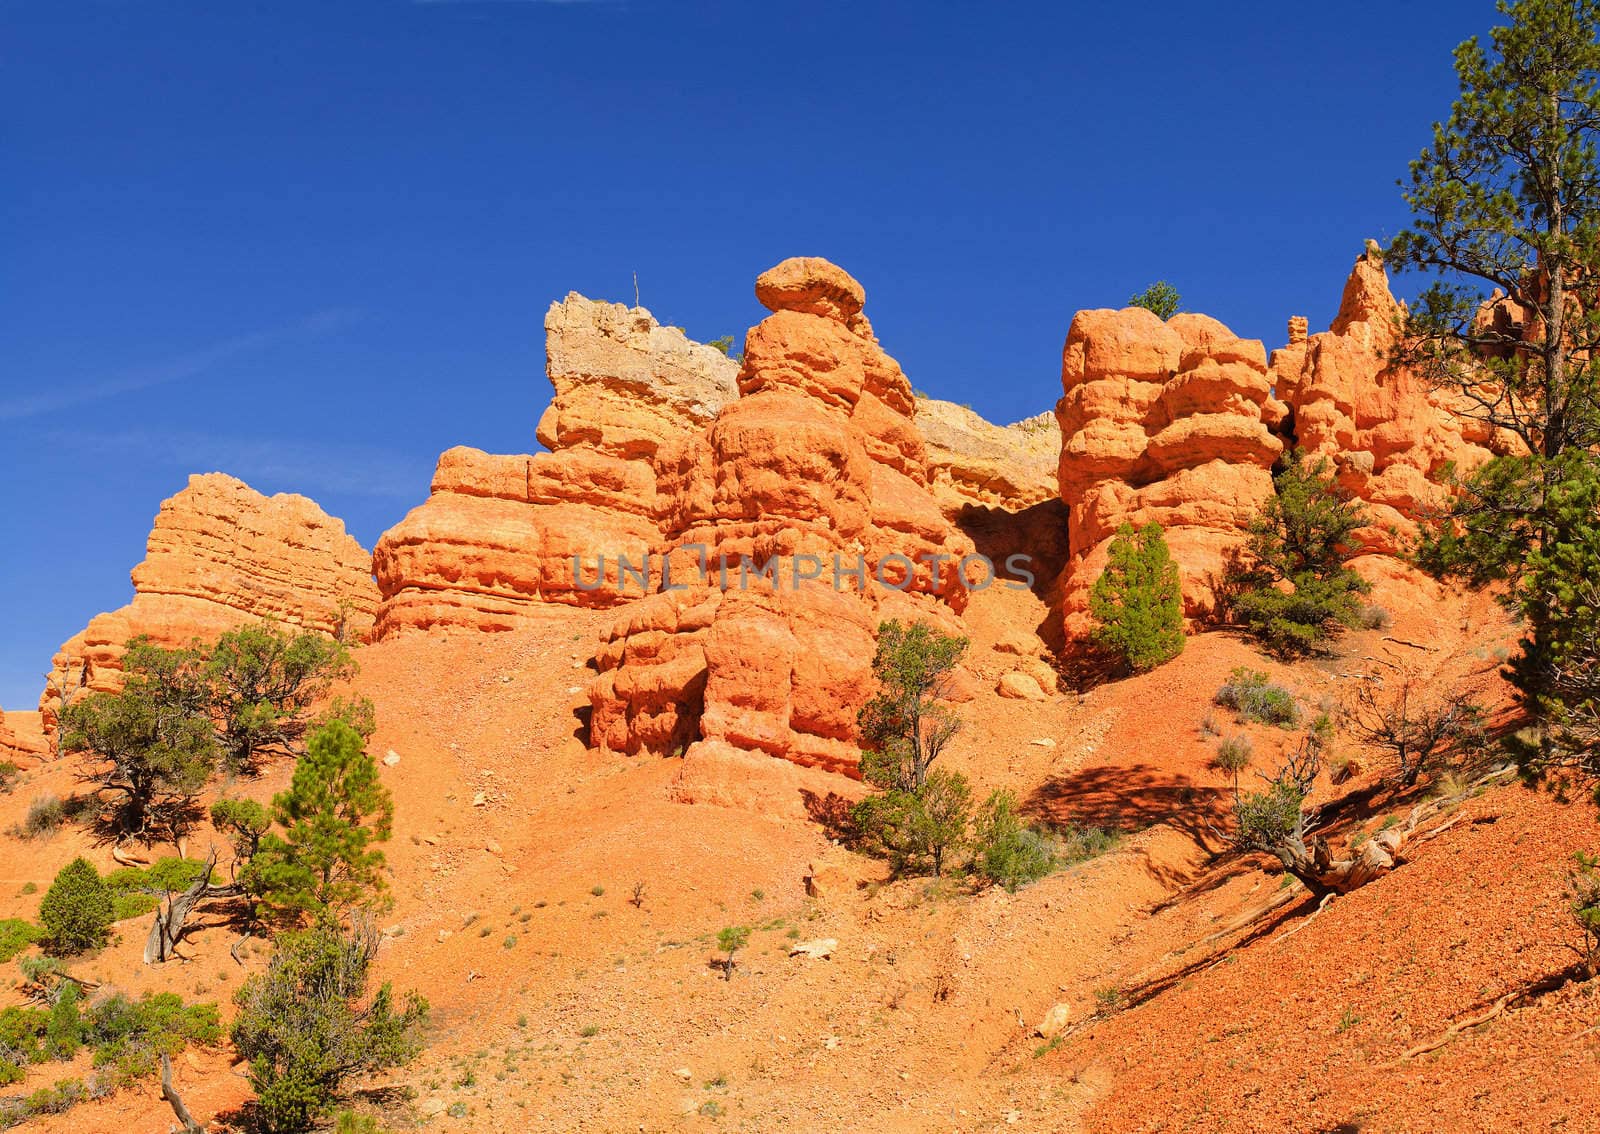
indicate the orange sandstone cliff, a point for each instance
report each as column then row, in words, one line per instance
column 220, row 555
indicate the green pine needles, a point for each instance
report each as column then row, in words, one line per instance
column 1138, row 600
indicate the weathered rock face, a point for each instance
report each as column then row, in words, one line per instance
column 1385, row 433
column 819, row 469
column 1164, row 422
column 624, row 384
column 498, row 533
column 971, row 461
column 22, row 736
column 220, row 555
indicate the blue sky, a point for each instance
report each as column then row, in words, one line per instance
column 311, row 244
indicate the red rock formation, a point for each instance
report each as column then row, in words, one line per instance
column 1386, row 434
column 1163, row 422
column 221, row 555
column 499, row 533
column 22, row 736
column 818, row 467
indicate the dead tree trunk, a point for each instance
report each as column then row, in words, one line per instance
column 1313, row 863
column 167, row 929
column 169, row 1093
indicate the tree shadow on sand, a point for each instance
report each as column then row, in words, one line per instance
column 1129, row 798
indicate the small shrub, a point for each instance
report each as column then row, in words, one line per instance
column 45, row 814
column 730, row 940
column 1376, row 618
column 1109, row 997
column 1009, row 853
column 590, row 1031
column 1583, row 901
column 78, row 909
column 307, row 1023
column 1233, row 754
column 8, row 775
column 1209, row 726
column 57, row 1099
column 598, row 891
column 1253, row 697
column 1080, row 844
column 15, row 936
column 133, row 1034
column 349, row 1122
column 63, row 1029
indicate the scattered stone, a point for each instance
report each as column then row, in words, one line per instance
column 1020, row 686
column 1055, row 1021
column 820, row 949
column 1019, row 642
column 391, row 758
column 1043, row 742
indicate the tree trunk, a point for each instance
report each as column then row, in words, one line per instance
column 167, row 929
column 190, row 1126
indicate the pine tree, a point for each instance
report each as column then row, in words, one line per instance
column 1293, row 587
column 78, row 909
column 333, row 812
column 905, row 726
column 263, row 683
column 151, row 743
column 1160, row 297
column 1138, row 600
column 1506, row 204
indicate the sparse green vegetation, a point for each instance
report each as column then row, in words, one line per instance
column 1253, row 697
column 126, row 1038
column 1233, row 754
column 45, row 814
column 1008, row 852
column 730, row 939
column 15, row 936
column 1583, row 902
